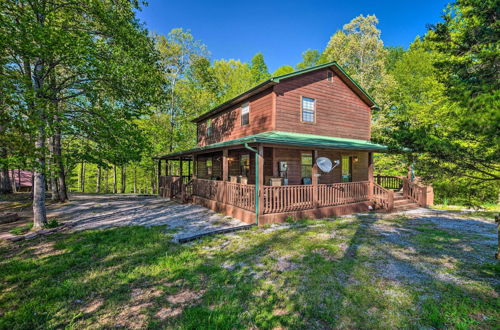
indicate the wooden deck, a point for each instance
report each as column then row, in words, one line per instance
column 276, row 203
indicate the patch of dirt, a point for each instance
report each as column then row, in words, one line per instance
column 167, row 312
column 44, row 249
column 92, row 306
column 185, row 297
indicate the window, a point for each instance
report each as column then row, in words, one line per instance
column 330, row 76
column 308, row 108
column 245, row 114
column 306, row 163
column 244, row 164
column 209, row 127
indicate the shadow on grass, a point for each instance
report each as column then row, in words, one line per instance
column 311, row 274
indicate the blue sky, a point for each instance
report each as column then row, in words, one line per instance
column 282, row 30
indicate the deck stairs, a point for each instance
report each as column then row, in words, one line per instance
column 401, row 203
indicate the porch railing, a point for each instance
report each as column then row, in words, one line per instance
column 383, row 198
column 287, row 198
column 389, row 181
column 293, row 197
column 420, row 194
column 240, row 195
column 343, row 193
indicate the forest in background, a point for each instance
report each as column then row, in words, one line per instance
column 89, row 96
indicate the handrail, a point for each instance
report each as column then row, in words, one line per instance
column 383, row 198
column 417, row 193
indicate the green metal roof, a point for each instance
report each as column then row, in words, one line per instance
column 290, row 139
column 276, row 80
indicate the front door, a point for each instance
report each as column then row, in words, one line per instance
column 346, row 169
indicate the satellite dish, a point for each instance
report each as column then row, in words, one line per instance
column 324, row 164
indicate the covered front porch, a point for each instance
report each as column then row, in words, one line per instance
column 262, row 182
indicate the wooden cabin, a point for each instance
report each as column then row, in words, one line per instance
column 256, row 154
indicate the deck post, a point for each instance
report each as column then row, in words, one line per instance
column 159, row 177
column 314, row 180
column 370, row 176
column 261, row 178
column 225, row 174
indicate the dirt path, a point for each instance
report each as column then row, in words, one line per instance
column 88, row 211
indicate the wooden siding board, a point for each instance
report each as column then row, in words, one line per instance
column 339, row 111
column 227, row 124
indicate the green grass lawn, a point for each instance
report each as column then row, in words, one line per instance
column 347, row 273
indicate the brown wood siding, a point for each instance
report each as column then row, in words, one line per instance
column 227, row 124
column 292, row 156
column 339, row 111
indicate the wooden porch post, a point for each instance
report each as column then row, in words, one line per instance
column 225, row 165
column 314, row 180
column 159, row 177
column 195, row 166
column 370, row 176
column 260, row 148
column 166, row 167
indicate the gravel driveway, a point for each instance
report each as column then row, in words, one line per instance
column 104, row 211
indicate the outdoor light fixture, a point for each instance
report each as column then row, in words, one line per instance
column 354, row 159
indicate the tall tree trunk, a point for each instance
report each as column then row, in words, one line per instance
column 115, row 190
column 5, row 185
column 124, row 179
column 61, row 174
column 135, row 180
column 497, row 220
column 13, row 180
column 82, row 177
column 106, row 181
column 39, row 211
column 53, row 180
column 98, row 184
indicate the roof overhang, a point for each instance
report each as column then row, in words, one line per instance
column 285, row 139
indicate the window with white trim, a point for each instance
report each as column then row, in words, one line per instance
column 245, row 114
column 308, row 109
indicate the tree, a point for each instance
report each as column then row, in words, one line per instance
column 178, row 50
column 64, row 56
column 310, row 58
column 283, row 70
column 259, row 69
column 359, row 49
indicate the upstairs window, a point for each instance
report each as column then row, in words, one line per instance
column 209, row 127
column 330, row 76
column 308, row 109
column 245, row 114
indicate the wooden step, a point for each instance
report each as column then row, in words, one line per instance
column 402, row 201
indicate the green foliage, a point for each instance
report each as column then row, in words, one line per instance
column 259, row 69
column 21, row 230
column 359, row 49
column 283, row 70
column 310, row 58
